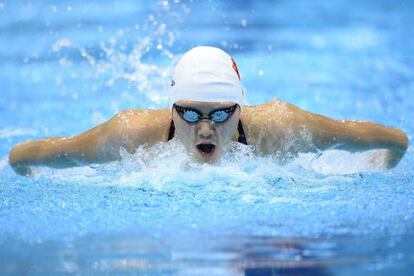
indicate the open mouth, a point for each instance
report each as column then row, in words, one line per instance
column 206, row 149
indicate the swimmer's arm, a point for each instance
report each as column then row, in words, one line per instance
column 128, row 129
column 93, row 146
column 353, row 136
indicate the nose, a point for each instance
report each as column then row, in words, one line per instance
column 205, row 130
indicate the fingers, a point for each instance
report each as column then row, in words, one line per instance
column 392, row 158
column 385, row 158
column 23, row 170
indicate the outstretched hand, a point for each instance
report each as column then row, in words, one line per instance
column 386, row 159
column 392, row 158
column 23, row 170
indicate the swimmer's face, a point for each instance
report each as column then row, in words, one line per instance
column 205, row 140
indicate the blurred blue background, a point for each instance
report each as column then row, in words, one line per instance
column 66, row 66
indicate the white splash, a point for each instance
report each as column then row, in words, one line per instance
column 12, row 132
column 118, row 63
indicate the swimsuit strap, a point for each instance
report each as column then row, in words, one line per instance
column 242, row 136
column 241, row 139
column 172, row 131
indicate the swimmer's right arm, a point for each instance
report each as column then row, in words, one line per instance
column 128, row 129
column 63, row 152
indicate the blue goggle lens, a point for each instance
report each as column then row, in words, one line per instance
column 191, row 116
column 219, row 116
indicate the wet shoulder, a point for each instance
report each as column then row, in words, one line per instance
column 259, row 116
column 266, row 124
column 148, row 125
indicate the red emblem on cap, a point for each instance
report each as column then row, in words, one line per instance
column 235, row 68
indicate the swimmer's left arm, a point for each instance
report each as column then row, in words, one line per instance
column 356, row 136
column 308, row 132
column 353, row 136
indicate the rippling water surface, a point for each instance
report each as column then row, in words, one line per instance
column 67, row 66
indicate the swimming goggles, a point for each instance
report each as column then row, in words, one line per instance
column 218, row 116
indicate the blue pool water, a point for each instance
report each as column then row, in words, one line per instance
column 67, row 66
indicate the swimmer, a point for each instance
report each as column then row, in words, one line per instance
column 207, row 111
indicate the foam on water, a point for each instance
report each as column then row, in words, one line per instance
column 241, row 195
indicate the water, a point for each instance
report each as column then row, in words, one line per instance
column 67, row 66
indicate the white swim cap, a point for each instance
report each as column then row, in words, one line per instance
column 206, row 74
